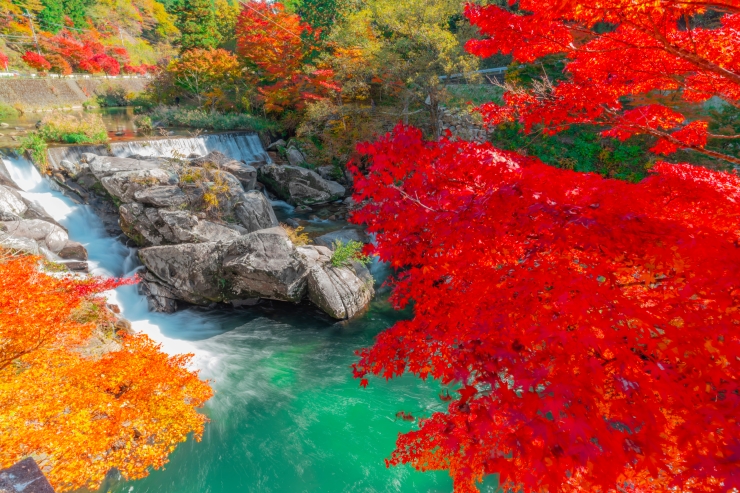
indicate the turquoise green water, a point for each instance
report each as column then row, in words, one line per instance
column 288, row 417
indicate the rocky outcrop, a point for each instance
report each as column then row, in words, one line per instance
column 26, row 227
column 208, row 237
column 299, row 186
column 165, row 202
column 342, row 292
column 261, row 264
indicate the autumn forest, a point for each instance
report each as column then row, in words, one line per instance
column 370, row 245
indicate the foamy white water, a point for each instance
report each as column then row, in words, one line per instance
column 241, row 146
column 110, row 257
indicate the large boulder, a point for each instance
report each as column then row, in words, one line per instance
column 246, row 174
column 12, row 205
column 102, row 166
column 149, row 226
column 264, row 264
column 341, row 292
column 162, row 196
column 191, row 272
column 126, row 184
column 295, row 157
column 255, row 212
column 47, row 235
column 299, row 186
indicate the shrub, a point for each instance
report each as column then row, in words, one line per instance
column 183, row 117
column 86, row 128
column 346, row 253
column 7, row 111
column 297, row 236
column 35, row 146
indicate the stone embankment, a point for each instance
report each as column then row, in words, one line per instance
column 461, row 124
column 208, row 235
column 62, row 93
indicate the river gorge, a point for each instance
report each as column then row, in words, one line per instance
column 287, row 416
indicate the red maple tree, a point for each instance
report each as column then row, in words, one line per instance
column 617, row 52
column 590, row 327
column 275, row 46
column 36, row 61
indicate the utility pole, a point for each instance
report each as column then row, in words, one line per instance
column 33, row 31
column 120, row 34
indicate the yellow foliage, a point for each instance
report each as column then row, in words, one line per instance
column 297, row 236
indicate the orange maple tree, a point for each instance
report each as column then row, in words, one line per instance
column 74, row 396
column 211, row 77
column 275, row 46
column 589, row 329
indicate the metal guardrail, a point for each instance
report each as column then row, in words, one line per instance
column 12, row 75
column 493, row 71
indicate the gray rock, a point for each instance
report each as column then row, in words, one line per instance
column 76, row 265
column 190, row 272
column 264, row 264
column 343, row 235
column 149, row 226
column 245, row 173
column 102, row 166
column 25, row 245
column 35, row 211
column 299, row 186
column 339, row 291
column 73, row 251
column 124, row 185
column 45, row 234
column 159, row 298
column 295, row 157
column 142, row 224
column 162, row 196
column 275, row 145
column 12, row 205
column 255, row 212
column 325, row 172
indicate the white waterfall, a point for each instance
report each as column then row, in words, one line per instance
column 236, row 145
column 109, row 257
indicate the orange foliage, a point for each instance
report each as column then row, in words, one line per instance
column 276, row 46
column 76, row 399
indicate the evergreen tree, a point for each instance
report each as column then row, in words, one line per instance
column 196, row 21
column 51, row 16
column 76, row 10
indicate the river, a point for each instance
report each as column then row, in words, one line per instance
column 287, row 416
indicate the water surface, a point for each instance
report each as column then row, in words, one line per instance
column 287, row 416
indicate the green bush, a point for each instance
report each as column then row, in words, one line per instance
column 169, row 116
column 581, row 148
column 346, row 253
column 86, row 128
column 35, row 145
column 7, row 111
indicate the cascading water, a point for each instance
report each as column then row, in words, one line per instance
column 287, row 415
column 238, row 145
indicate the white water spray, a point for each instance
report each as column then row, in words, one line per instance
column 109, row 257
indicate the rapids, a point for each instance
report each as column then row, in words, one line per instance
column 287, row 416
